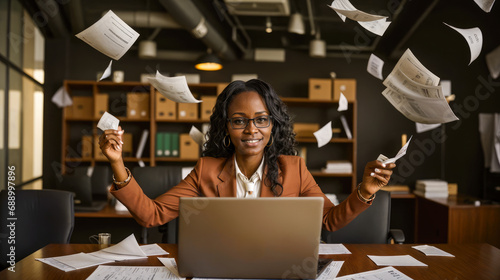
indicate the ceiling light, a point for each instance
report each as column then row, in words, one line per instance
column 208, row 62
column 296, row 24
column 147, row 49
column 317, row 47
column 269, row 25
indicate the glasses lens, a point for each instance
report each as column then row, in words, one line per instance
column 239, row 122
column 261, row 122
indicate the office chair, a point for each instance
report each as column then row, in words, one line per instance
column 154, row 181
column 370, row 227
column 42, row 217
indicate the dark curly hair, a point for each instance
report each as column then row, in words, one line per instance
column 282, row 132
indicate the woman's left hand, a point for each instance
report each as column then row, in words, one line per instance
column 376, row 176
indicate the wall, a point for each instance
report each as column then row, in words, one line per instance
column 379, row 125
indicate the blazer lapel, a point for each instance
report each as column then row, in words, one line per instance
column 227, row 177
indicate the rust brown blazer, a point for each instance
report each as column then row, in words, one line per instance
column 215, row 177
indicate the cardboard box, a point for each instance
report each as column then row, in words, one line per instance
column 320, row 89
column 347, row 87
column 187, row 111
column 83, row 107
column 97, row 150
column 188, row 147
column 206, row 107
column 127, row 144
column 138, row 105
column 305, row 129
column 86, row 146
column 101, row 105
column 166, row 109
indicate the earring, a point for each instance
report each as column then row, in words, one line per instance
column 224, row 141
column 272, row 140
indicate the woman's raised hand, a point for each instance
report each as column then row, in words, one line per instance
column 111, row 144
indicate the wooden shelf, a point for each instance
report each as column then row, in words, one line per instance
column 183, row 121
column 126, row 159
column 175, row 159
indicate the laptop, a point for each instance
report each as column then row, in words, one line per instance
column 249, row 238
column 80, row 185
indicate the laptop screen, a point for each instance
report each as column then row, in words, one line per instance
column 249, row 238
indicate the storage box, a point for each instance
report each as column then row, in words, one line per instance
column 188, row 147
column 187, row 111
column 138, row 105
column 83, row 107
column 305, row 129
column 206, row 107
column 86, row 146
column 97, row 150
column 320, row 89
column 127, row 144
column 347, row 87
column 166, row 109
column 101, row 105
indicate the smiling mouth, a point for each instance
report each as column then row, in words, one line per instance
column 251, row 140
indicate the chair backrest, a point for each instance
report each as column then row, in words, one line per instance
column 370, row 227
column 41, row 217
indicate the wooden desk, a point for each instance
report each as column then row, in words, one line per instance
column 471, row 261
column 456, row 220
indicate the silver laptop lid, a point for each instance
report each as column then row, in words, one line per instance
column 249, row 238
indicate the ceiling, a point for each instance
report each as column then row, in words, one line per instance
column 237, row 36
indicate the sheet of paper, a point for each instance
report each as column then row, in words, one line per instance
column 107, row 72
column 474, row 38
column 171, row 265
column 74, row 261
column 345, row 8
column 446, row 87
column 386, row 273
column 342, row 5
column 333, row 249
column 377, row 27
column 399, row 155
column 432, row 251
column 375, row 65
column 131, row 272
column 110, row 35
column 345, row 125
column 422, row 127
column 197, row 135
column 331, row 271
column 493, row 62
column 108, row 121
column 415, row 70
column 485, row 5
column 343, row 104
column 127, row 247
column 402, row 84
column 153, row 250
column 173, row 88
column 61, row 98
column 402, row 260
column 324, row 134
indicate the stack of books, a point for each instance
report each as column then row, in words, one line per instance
column 397, row 189
column 337, row 166
column 431, row 188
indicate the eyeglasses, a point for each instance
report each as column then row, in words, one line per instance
column 242, row 123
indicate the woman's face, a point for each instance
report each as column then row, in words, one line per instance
column 250, row 140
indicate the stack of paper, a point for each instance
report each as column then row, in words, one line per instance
column 337, row 166
column 413, row 90
column 431, row 188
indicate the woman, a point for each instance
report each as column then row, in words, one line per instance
column 249, row 153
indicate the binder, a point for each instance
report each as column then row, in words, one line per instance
column 167, row 144
column 175, row 144
column 159, row 144
column 142, row 144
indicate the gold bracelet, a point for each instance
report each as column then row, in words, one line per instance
column 362, row 198
column 121, row 184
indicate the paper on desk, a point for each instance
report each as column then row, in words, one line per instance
column 173, row 88
column 106, row 72
column 432, row 251
column 400, row 154
column 422, row 127
column 386, row 273
column 110, row 35
column 108, row 121
column 375, row 65
column 74, row 261
column 197, row 135
column 333, row 249
column 324, row 134
column 402, row 260
column 344, row 9
column 485, row 5
column 171, row 265
column 343, row 104
column 331, row 271
column 61, row 98
column 493, row 62
column 131, row 272
column 153, row 250
column 474, row 38
column 127, row 249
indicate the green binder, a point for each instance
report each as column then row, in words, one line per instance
column 167, row 144
column 159, row 144
column 175, row 144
